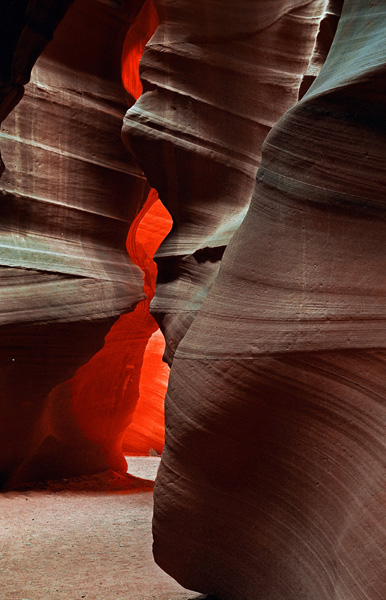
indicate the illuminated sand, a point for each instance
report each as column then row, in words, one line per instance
column 65, row 544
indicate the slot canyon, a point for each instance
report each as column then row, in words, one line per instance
column 193, row 300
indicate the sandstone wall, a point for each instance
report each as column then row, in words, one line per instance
column 272, row 480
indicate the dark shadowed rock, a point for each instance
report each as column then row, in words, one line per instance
column 68, row 195
column 271, row 484
column 216, row 77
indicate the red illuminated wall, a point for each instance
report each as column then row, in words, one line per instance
column 137, row 36
column 125, row 383
column 70, row 394
column 129, row 368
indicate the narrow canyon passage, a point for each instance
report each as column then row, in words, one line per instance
column 79, row 351
column 250, row 137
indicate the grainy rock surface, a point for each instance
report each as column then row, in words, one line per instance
column 216, row 77
column 272, row 480
column 27, row 28
column 68, row 196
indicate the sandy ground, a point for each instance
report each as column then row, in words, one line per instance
column 86, row 538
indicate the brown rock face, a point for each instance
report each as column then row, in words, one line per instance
column 272, row 479
column 68, row 196
column 64, row 154
column 216, row 77
column 27, row 27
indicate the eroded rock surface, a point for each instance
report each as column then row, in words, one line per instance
column 216, row 77
column 272, row 480
column 27, row 28
column 68, row 196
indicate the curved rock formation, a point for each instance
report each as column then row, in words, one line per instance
column 146, row 433
column 324, row 39
column 68, row 195
column 142, row 29
column 27, row 27
column 146, row 430
column 109, row 402
column 272, row 480
column 216, row 77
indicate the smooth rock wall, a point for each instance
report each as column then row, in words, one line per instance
column 68, row 196
column 272, row 480
column 27, row 28
column 216, row 77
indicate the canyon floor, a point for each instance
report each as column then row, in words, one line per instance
column 87, row 537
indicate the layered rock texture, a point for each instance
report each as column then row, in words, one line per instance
column 216, row 77
column 27, row 28
column 271, row 484
column 272, row 481
column 68, row 196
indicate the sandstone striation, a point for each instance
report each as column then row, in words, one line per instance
column 272, row 479
column 216, row 77
column 324, row 39
column 27, row 28
column 68, row 196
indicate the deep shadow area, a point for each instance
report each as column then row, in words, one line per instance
column 107, row 482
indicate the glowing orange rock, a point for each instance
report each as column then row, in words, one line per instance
column 69, row 194
column 139, row 33
column 105, row 391
column 146, row 432
column 129, row 368
column 57, row 421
